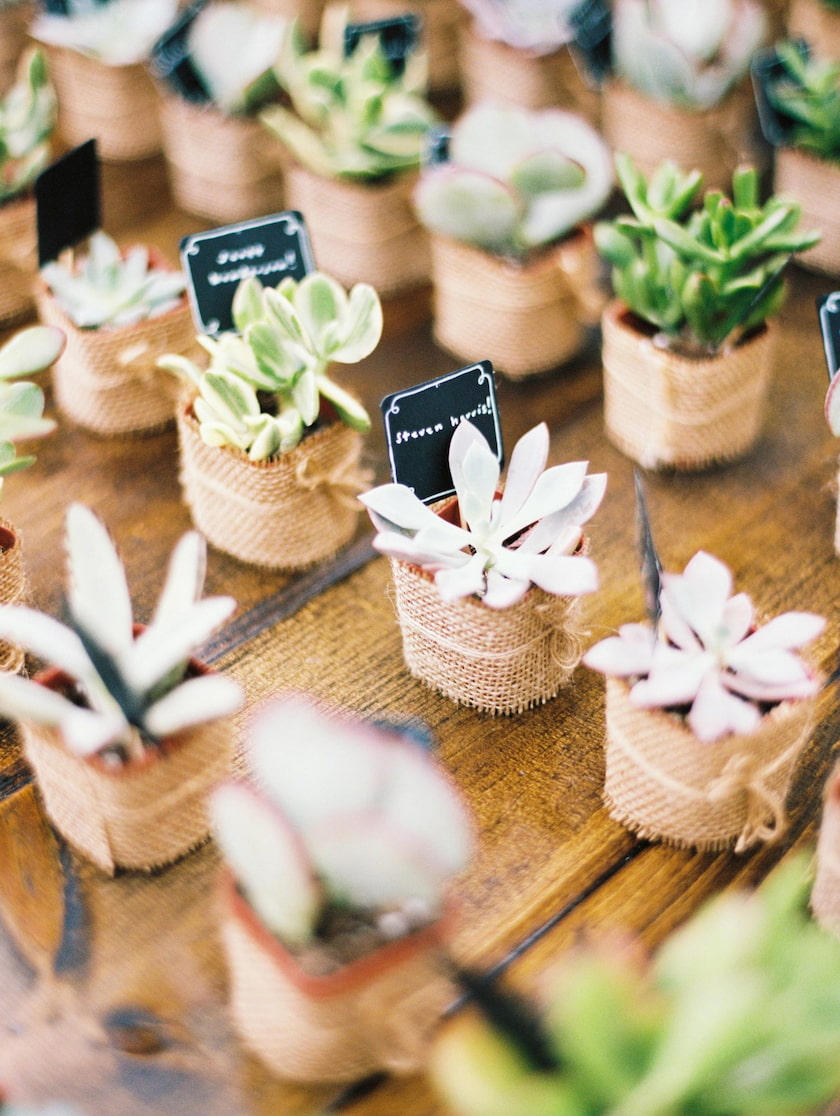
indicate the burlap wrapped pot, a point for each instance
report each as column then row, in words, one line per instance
column 441, row 21
column 667, row 410
column 18, row 261
column 141, row 815
column 284, row 513
column 815, row 184
column 362, row 231
column 14, row 589
column 825, row 893
column 817, row 24
column 665, row 784
column 526, row 318
column 376, row 1013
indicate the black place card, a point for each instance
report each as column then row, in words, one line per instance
column 420, row 422
column 591, row 25
column 68, row 201
column 766, row 69
column 66, row 7
column 398, row 37
column 215, row 261
column 828, row 310
column 170, row 59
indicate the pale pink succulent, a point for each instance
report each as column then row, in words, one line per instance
column 709, row 654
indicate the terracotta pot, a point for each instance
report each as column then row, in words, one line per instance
column 818, row 25
column 441, row 22
column 825, row 893
column 14, row 589
column 284, row 513
column 376, row 1013
column 666, row 410
column 527, row 318
column 141, row 815
column 665, row 784
column 815, row 184
column 18, row 261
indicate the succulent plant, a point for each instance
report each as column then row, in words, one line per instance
column 807, row 92
column 27, row 122
column 530, row 535
column 516, row 179
column 708, row 656
column 109, row 288
column 703, row 276
column 351, row 117
column 687, row 53
column 736, row 1014
column 22, row 403
column 130, row 690
column 118, row 33
column 540, row 26
column 346, row 817
column 287, row 337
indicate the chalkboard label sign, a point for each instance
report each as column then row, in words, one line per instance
column 828, row 309
column 67, row 200
column 398, row 37
column 66, row 8
column 215, row 261
column 591, row 25
column 420, row 422
column 765, row 70
column 170, row 59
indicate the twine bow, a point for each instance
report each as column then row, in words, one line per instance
column 345, row 480
column 766, row 820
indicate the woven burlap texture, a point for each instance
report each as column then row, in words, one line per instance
column 349, row 1027
column 713, row 140
column 825, row 892
column 14, row 588
column 441, row 21
column 362, row 232
column 285, row 513
column 106, row 379
column 224, row 168
column 14, row 37
column 526, row 319
column 494, row 71
column 142, row 815
column 665, row 410
column 18, row 261
column 819, row 26
column 665, row 784
column 498, row 660
column 118, row 106
column 815, row 184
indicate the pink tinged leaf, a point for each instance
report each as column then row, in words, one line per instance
column 526, row 464
column 407, row 550
column 453, row 584
column 195, row 702
column 716, row 712
column 479, row 479
column 775, row 666
column 554, row 489
column 396, row 504
column 164, row 645
column 269, row 861
column 86, row 732
column 738, row 618
column 503, row 592
column 184, row 576
column 562, row 575
column 700, row 593
column 674, row 625
column 566, row 542
column 556, row 525
column 788, row 630
column 443, row 536
column 805, row 686
column 674, row 678
column 465, row 436
column 625, row 655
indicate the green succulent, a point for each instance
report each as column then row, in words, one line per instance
column 702, row 275
column 21, row 402
column 27, row 122
column 808, row 94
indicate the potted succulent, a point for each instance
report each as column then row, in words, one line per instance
column 270, row 444
column 818, row 23
column 488, row 585
column 97, row 54
column 354, row 137
column 687, row 343
column 335, row 906
column 119, row 310
column 440, row 23
column 222, row 165
column 678, row 88
column 707, row 713
column 734, row 1013
column 514, row 268
column 126, row 732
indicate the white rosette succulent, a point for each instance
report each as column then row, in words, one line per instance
column 119, row 33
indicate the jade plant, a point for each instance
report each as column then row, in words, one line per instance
column 27, row 123
column 126, row 690
column 344, row 821
column 354, row 117
column 702, row 275
column 686, row 53
column 109, row 288
column 516, row 179
column 540, row 27
column 28, row 352
column 266, row 383
column 118, row 33
column 806, row 94
column 736, row 1014
column 530, row 535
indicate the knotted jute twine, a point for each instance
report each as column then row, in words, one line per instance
column 665, row 784
column 825, row 893
column 666, row 410
column 224, row 168
column 376, row 1013
column 815, row 184
column 14, row 589
column 362, row 232
column 141, row 815
column 440, row 23
column 817, row 24
column 284, row 513
column 526, row 318
column 498, row 660
column 18, row 261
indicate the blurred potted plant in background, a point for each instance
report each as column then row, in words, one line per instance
column 513, row 266
column 440, row 22
column 818, row 23
column 307, row 12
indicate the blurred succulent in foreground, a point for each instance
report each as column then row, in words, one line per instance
column 27, row 122
column 22, row 403
column 807, row 92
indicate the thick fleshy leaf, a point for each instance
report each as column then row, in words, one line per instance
column 700, row 593
column 281, row 311
column 465, row 436
column 30, row 351
column 397, row 504
column 738, row 618
column 306, row 397
column 247, row 305
column 462, row 581
column 715, row 712
column 86, row 732
column 46, row 638
column 97, row 586
column 271, row 355
column 319, row 300
column 788, row 630
column 675, row 627
column 564, row 575
column 503, row 592
column 527, row 462
column 463, row 204
column 480, row 479
column 184, row 576
column 674, row 678
column 408, row 549
column 579, row 511
column 362, row 327
column 229, row 397
column 172, row 641
column 624, row 655
column 24, row 700
column 348, row 408
column 194, row 702
column 554, row 489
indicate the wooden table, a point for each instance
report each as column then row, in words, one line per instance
column 113, row 990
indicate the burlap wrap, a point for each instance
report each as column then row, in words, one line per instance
column 286, row 513
column 494, row 71
column 14, row 37
column 665, row 410
column 376, row 1013
column 498, row 660
column 441, row 22
column 815, row 184
column 224, row 168
column 116, row 105
column 820, row 27
column 139, row 816
column 526, row 319
column 106, row 379
column 713, row 140
column 18, row 261
column 307, row 12
column 362, row 232
column 14, row 588
column 825, row 893
column 664, row 784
